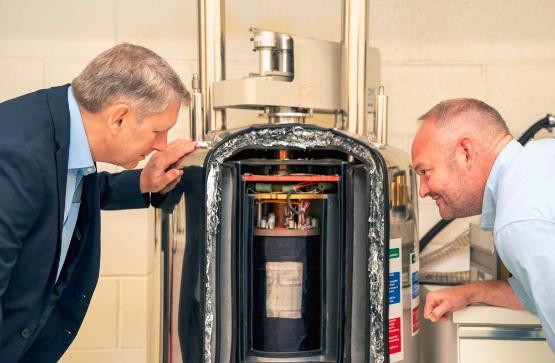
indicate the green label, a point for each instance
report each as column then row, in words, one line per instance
column 394, row 253
column 413, row 258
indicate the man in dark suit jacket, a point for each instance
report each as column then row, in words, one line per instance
column 124, row 103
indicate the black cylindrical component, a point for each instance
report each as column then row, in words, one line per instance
column 286, row 294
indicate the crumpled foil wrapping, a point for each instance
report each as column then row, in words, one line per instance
column 301, row 137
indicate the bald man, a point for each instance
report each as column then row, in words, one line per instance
column 469, row 163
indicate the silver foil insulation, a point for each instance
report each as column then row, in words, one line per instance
column 302, row 137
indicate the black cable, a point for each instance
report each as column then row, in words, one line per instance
column 545, row 123
column 291, row 208
column 429, row 236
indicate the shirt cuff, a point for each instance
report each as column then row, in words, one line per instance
column 522, row 296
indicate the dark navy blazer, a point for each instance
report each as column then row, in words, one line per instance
column 39, row 316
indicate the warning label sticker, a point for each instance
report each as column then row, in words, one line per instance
column 395, row 301
column 415, row 293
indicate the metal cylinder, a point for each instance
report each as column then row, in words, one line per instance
column 354, row 39
column 285, row 55
column 211, row 58
column 380, row 127
column 196, row 111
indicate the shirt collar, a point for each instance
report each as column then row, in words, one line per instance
column 501, row 164
column 79, row 151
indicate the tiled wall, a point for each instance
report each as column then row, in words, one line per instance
column 43, row 44
column 500, row 51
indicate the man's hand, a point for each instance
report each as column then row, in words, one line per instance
column 442, row 303
column 157, row 176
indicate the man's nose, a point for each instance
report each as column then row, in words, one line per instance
column 161, row 142
column 423, row 190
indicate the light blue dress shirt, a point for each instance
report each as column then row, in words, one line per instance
column 519, row 207
column 80, row 164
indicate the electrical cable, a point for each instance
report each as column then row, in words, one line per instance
column 429, row 236
column 545, row 123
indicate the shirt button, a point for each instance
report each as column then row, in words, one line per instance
column 25, row 333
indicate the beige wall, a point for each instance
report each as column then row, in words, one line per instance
column 500, row 51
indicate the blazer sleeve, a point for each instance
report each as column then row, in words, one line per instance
column 21, row 200
column 121, row 190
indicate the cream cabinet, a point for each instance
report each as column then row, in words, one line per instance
column 487, row 334
column 483, row 334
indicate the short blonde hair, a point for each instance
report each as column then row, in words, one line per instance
column 131, row 73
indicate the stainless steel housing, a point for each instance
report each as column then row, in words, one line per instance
column 205, row 317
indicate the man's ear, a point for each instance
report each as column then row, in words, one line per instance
column 118, row 117
column 465, row 152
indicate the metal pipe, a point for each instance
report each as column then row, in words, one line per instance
column 211, row 20
column 196, row 111
column 380, row 127
column 354, row 35
column 285, row 57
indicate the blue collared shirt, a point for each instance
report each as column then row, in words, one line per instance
column 80, row 164
column 519, row 207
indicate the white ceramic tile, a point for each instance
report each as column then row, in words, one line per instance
column 398, row 141
column 475, row 29
column 168, row 27
column 414, row 89
column 240, row 16
column 319, row 19
column 127, row 240
column 154, row 303
column 388, row 28
column 100, row 327
column 19, row 76
column 62, row 71
column 182, row 127
column 62, row 28
column 133, row 312
column 105, row 356
column 523, row 94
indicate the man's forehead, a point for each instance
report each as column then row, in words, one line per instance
column 424, row 145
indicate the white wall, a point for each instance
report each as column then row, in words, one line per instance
column 500, row 51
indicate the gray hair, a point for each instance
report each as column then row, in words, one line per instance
column 130, row 73
column 448, row 112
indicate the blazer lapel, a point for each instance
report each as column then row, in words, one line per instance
column 59, row 109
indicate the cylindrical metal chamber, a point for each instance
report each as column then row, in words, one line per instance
column 314, row 286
